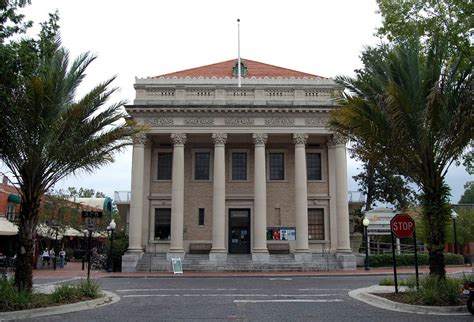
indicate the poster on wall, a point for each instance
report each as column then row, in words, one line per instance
column 281, row 233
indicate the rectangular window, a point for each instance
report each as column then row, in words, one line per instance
column 201, row 217
column 239, row 166
column 313, row 165
column 201, row 165
column 163, row 223
column 277, row 166
column 315, row 224
column 165, row 161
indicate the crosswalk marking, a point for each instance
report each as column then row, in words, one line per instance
column 230, row 295
column 288, row 301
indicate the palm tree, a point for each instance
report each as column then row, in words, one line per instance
column 47, row 134
column 413, row 111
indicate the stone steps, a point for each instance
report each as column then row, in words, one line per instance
column 239, row 263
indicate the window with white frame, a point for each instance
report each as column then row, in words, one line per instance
column 316, row 224
column 276, row 165
column 162, row 224
column 239, row 165
column 202, row 165
column 165, row 165
column 313, row 165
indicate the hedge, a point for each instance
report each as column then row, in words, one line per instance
column 384, row 260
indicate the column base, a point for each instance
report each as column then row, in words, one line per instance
column 218, row 255
column 303, row 256
column 260, row 256
column 130, row 260
column 347, row 260
column 175, row 254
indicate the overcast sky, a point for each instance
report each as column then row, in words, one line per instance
column 143, row 38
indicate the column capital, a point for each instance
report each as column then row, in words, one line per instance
column 139, row 139
column 260, row 138
column 337, row 139
column 300, row 138
column 219, row 138
column 178, row 138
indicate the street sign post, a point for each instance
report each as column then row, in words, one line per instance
column 92, row 214
column 403, row 226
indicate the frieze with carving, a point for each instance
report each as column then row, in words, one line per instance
column 239, row 121
column 316, row 121
column 199, row 121
column 157, row 121
column 279, row 121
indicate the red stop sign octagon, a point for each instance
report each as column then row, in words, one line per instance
column 402, row 226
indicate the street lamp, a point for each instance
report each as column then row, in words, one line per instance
column 454, row 215
column 366, row 223
column 111, row 227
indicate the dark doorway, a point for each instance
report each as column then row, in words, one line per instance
column 239, row 231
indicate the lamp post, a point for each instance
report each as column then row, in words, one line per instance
column 111, row 227
column 454, row 215
column 366, row 223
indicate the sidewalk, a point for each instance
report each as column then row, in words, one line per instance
column 73, row 270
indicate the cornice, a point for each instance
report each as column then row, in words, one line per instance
column 149, row 110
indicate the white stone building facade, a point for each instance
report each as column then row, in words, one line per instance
column 225, row 170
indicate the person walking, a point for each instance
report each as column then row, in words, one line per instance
column 62, row 257
column 45, row 257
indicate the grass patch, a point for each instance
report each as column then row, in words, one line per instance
column 13, row 300
column 432, row 292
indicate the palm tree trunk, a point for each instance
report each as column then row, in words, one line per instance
column 29, row 214
column 436, row 214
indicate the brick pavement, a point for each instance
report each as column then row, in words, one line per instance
column 74, row 270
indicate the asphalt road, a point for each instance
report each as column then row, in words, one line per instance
column 240, row 299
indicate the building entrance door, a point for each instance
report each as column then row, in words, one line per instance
column 239, row 231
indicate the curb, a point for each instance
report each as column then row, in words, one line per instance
column 106, row 299
column 366, row 295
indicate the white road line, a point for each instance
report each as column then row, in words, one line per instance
column 324, row 289
column 57, row 282
column 188, row 289
column 287, row 301
column 280, row 279
column 230, row 295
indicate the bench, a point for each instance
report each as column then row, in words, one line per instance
column 200, row 248
column 280, row 248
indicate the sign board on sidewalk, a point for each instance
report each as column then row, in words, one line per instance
column 177, row 265
column 402, row 225
column 91, row 214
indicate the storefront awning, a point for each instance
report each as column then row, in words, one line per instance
column 12, row 198
column 7, row 228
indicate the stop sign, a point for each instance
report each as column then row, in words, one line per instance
column 402, row 225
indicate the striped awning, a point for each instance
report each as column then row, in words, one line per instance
column 7, row 228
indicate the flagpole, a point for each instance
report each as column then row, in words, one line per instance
column 238, row 54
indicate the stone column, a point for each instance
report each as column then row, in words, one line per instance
column 344, row 251
column 260, row 251
column 177, row 197
column 302, row 252
column 135, row 250
column 218, row 251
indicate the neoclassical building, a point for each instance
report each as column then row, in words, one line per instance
column 237, row 173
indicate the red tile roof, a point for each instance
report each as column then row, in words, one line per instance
column 254, row 69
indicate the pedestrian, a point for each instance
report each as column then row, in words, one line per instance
column 62, row 256
column 45, row 256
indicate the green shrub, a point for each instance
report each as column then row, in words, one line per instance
column 435, row 291
column 11, row 298
column 89, row 289
column 385, row 260
column 387, row 281
column 65, row 293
